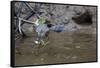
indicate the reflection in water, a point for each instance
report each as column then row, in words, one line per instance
column 63, row 48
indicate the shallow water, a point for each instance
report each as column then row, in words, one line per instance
column 62, row 48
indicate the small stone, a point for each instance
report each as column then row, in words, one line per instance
column 42, row 59
column 77, row 47
column 67, row 57
column 74, row 57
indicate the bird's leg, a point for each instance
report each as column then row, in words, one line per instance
column 44, row 41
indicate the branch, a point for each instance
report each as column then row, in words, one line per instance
column 26, row 21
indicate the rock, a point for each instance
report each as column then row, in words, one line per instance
column 28, row 29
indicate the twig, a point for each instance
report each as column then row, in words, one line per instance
column 27, row 21
column 29, row 6
column 19, row 26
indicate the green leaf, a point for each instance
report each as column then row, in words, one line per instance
column 41, row 20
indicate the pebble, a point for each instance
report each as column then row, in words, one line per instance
column 77, row 47
column 74, row 57
column 42, row 59
column 67, row 57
